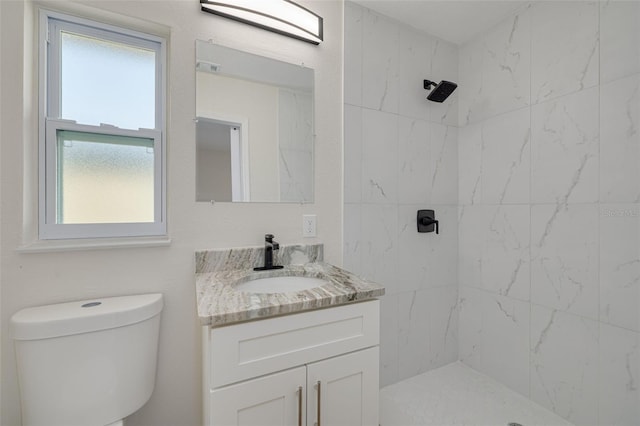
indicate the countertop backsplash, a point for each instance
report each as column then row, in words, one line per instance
column 217, row 260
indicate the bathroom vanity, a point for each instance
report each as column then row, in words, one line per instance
column 301, row 357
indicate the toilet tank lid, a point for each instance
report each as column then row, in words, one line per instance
column 84, row 316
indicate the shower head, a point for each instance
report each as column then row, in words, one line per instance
column 442, row 90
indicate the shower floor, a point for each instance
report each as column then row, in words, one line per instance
column 458, row 395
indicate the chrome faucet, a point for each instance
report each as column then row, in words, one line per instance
column 269, row 247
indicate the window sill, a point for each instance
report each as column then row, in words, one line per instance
column 43, row 246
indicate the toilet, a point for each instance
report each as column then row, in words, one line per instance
column 86, row 363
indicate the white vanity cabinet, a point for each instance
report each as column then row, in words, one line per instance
column 314, row 368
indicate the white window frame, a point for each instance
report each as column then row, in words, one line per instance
column 51, row 23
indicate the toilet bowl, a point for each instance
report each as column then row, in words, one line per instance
column 86, row 363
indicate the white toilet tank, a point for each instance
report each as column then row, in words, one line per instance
column 86, row 363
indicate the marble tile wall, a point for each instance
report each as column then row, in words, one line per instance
column 401, row 156
column 295, row 118
column 549, row 207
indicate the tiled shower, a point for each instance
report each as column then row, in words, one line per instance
column 532, row 167
column 401, row 156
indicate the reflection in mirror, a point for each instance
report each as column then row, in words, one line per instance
column 219, row 168
column 254, row 127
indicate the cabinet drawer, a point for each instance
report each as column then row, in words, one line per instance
column 242, row 351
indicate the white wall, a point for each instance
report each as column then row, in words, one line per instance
column 549, row 181
column 30, row 279
column 401, row 156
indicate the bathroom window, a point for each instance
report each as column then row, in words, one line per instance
column 102, row 142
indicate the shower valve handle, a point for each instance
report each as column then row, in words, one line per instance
column 427, row 221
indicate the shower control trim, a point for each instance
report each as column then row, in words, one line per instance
column 427, row 221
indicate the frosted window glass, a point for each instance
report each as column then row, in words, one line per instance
column 104, row 179
column 107, row 82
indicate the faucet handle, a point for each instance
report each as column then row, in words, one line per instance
column 268, row 237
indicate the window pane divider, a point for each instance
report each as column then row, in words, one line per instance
column 104, row 129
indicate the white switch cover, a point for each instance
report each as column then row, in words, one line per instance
column 309, row 225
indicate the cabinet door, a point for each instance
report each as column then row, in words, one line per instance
column 275, row 400
column 348, row 390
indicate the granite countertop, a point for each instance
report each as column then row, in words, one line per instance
column 220, row 304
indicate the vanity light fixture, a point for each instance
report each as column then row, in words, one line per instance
column 280, row 16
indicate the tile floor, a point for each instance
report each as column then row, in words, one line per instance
column 458, row 395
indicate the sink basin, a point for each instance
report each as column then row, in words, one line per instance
column 279, row 284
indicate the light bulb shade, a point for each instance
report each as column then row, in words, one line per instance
column 280, row 16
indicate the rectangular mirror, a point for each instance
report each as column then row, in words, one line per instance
column 254, row 127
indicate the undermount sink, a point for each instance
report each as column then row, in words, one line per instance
column 279, row 284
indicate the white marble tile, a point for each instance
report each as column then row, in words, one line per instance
column 442, row 248
column 619, row 376
column 620, row 140
column 380, row 245
column 505, row 255
column 564, row 257
column 444, row 164
column 494, row 249
column 564, row 48
column 296, row 184
column 413, row 338
column 379, row 157
column 506, row 158
column 472, row 234
column 494, row 337
column 352, row 154
column 353, row 53
column 428, row 321
column 296, row 145
column 564, row 370
column 427, row 259
column 471, row 91
column 443, row 325
column 505, row 341
column 620, row 265
column 413, row 271
column 352, row 246
column 470, row 326
column 380, row 55
column 295, row 118
column 388, row 339
column 444, row 66
column 619, row 39
column 415, row 62
column 506, row 65
column 495, row 70
column 414, row 165
column 470, row 145
column 564, row 150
